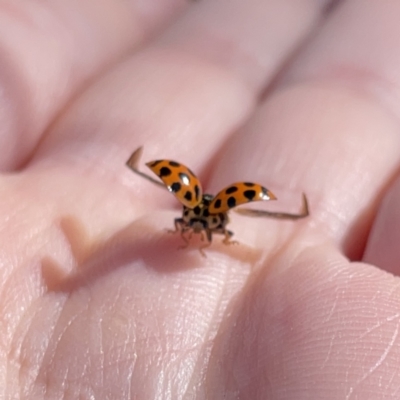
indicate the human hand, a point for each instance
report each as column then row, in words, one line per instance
column 96, row 300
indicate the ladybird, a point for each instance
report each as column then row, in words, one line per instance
column 206, row 214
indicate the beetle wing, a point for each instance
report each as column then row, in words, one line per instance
column 305, row 212
column 237, row 194
column 133, row 164
column 179, row 180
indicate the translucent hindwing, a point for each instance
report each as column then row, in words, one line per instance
column 179, row 180
column 237, row 194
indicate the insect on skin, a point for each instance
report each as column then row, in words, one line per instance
column 206, row 214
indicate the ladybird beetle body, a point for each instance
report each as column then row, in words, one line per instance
column 203, row 213
column 200, row 220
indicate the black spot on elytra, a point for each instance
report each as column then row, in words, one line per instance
column 197, row 210
column 249, row 194
column 184, row 178
column 175, row 187
column 197, row 192
column 217, row 203
column 215, row 220
column 231, row 190
column 165, row 171
column 248, row 184
column 186, row 212
column 206, row 213
column 174, row 164
column 231, row 202
column 188, row 196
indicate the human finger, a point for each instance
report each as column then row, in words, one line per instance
column 308, row 312
column 329, row 128
column 382, row 247
column 180, row 102
column 311, row 325
column 49, row 52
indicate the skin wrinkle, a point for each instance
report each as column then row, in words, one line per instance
column 57, row 340
column 329, row 352
column 378, row 363
column 130, row 377
column 182, row 363
column 377, row 326
column 209, row 334
column 328, row 318
column 133, row 339
column 48, row 335
column 101, row 352
column 4, row 299
column 383, row 356
column 397, row 391
column 232, row 353
column 393, row 290
column 333, row 306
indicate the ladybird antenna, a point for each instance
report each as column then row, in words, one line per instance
column 133, row 163
column 305, row 212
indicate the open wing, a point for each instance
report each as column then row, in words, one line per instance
column 305, row 212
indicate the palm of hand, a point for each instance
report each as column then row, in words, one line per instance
column 96, row 300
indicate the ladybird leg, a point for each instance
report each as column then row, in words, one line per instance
column 179, row 224
column 208, row 235
column 203, row 236
column 182, row 228
column 228, row 234
column 184, row 238
column 202, row 252
column 227, row 239
column 133, row 162
column 305, row 212
column 190, row 233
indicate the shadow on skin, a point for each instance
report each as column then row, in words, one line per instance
column 140, row 241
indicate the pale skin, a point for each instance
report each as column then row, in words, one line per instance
column 96, row 299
